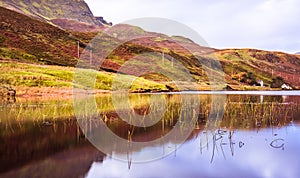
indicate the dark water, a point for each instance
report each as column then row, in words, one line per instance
column 256, row 136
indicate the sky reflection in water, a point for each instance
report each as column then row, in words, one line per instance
column 253, row 156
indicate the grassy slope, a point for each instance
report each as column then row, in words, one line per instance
column 30, row 40
column 32, row 75
column 23, row 39
column 263, row 65
column 255, row 64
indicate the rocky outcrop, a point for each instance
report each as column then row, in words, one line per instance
column 101, row 20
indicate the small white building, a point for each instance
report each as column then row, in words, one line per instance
column 286, row 87
column 261, row 83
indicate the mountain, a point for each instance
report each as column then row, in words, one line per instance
column 67, row 14
column 242, row 67
column 298, row 53
column 32, row 39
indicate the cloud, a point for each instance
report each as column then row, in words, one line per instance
column 264, row 24
column 256, row 159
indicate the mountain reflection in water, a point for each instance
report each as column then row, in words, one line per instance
column 257, row 137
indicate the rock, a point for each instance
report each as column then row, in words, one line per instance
column 228, row 88
column 101, row 20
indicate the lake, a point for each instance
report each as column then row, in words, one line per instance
column 188, row 134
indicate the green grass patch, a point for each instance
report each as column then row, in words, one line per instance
column 11, row 53
column 29, row 75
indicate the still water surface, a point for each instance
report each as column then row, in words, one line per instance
column 258, row 136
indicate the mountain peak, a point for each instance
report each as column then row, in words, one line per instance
column 72, row 10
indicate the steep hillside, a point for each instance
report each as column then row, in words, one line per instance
column 70, row 12
column 25, row 39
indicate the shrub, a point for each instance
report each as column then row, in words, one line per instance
column 244, row 77
column 2, row 40
column 277, row 82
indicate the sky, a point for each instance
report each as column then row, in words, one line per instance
column 262, row 24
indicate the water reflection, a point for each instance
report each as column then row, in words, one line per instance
column 255, row 138
column 243, row 154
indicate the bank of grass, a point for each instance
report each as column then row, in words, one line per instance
column 252, row 88
column 23, row 75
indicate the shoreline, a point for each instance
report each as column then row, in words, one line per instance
column 65, row 93
column 48, row 92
